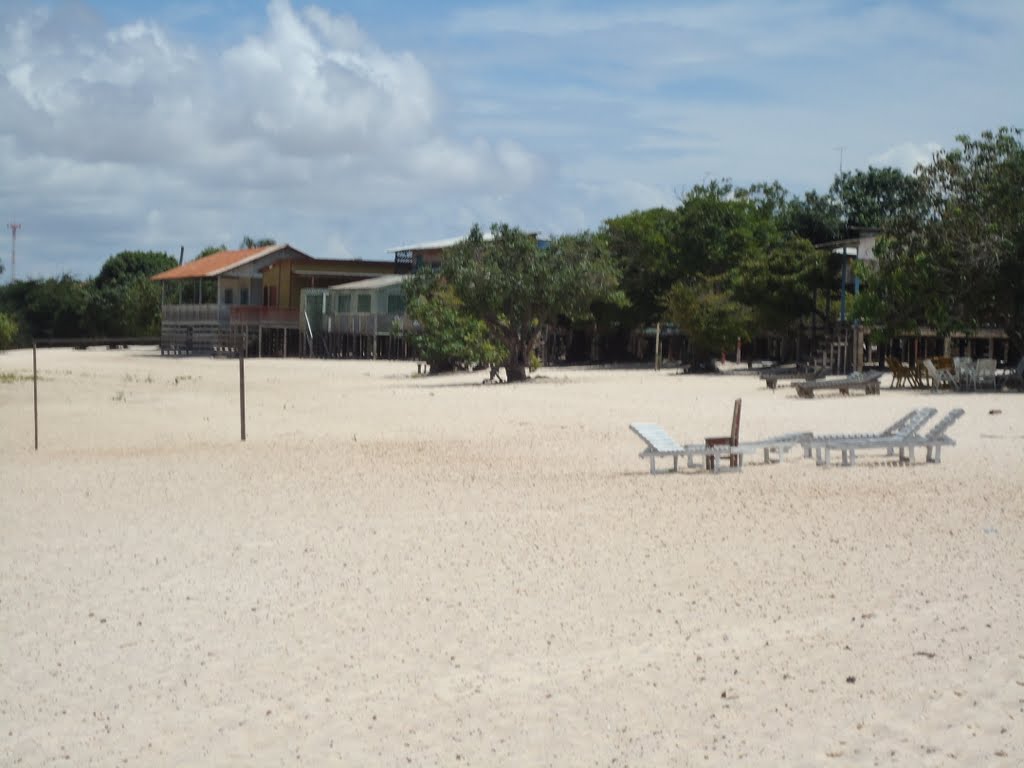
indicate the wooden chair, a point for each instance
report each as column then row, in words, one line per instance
column 732, row 439
column 900, row 372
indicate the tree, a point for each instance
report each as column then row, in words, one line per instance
column 515, row 285
column 248, row 242
column 123, row 300
column 957, row 262
column 641, row 245
column 876, row 197
column 709, row 315
column 8, row 331
column 124, row 267
column 446, row 337
column 209, row 250
column 816, row 218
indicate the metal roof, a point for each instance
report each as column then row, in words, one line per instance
column 436, row 245
column 371, row 284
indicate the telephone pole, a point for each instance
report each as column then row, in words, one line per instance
column 14, row 237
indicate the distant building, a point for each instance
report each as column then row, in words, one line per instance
column 210, row 304
column 430, row 253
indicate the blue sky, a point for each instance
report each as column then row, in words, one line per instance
column 347, row 128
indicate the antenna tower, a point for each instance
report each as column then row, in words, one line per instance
column 14, row 237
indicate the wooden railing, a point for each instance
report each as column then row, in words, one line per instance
column 244, row 315
column 228, row 315
column 364, row 323
column 194, row 313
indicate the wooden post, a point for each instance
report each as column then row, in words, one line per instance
column 657, row 347
column 35, row 394
column 241, row 385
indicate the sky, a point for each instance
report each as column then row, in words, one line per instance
column 349, row 128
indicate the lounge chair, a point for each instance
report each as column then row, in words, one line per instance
column 941, row 378
column 773, row 376
column 868, row 381
column 1015, row 378
column 661, row 445
column 985, row 372
column 902, row 435
column 964, row 371
column 933, row 441
column 715, row 451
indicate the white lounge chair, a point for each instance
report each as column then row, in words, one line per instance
column 965, row 372
column 941, row 378
column 901, row 435
column 935, row 439
column 715, row 457
column 985, row 372
column 661, row 445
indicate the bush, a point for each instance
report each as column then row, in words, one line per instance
column 8, row 331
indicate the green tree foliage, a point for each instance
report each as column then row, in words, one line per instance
column 641, row 244
column 515, row 285
column 124, row 267
column 248, row 242
column 816, row 218
column 446, row 337
column 209, row 250
column 8, row 331
column 121, row 301
column 957, row 262
column 50, row 308
column 743, row 247
column 124, row 301
column 876, row 197
column 711, row 317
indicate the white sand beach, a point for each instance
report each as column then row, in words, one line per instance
column 404, row 570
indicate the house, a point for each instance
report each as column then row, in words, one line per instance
column 365, row 318
column 210, row 304
column 850, row 346
column 430, row 253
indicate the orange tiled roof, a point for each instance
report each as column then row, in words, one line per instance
column 214, row 264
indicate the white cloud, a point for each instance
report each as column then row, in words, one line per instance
column 906, row 156
column 144, row 132
column 300, row 123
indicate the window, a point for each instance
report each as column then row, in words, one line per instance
column 344, row 302
column 396, row 304
column 243, row 296
column 229, row 295
column 363, row 303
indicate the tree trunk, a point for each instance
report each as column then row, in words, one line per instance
column 515, row 372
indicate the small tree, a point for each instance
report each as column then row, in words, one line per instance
column 710, row 317
column 515, row 285
column 446, row 337
column 8, row 331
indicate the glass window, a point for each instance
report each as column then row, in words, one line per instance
column 363, row 302
column 243, row 296
column 229, row 296
column 396, row 304
column 344, row 302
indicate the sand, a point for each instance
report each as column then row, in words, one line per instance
column 397, row 570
